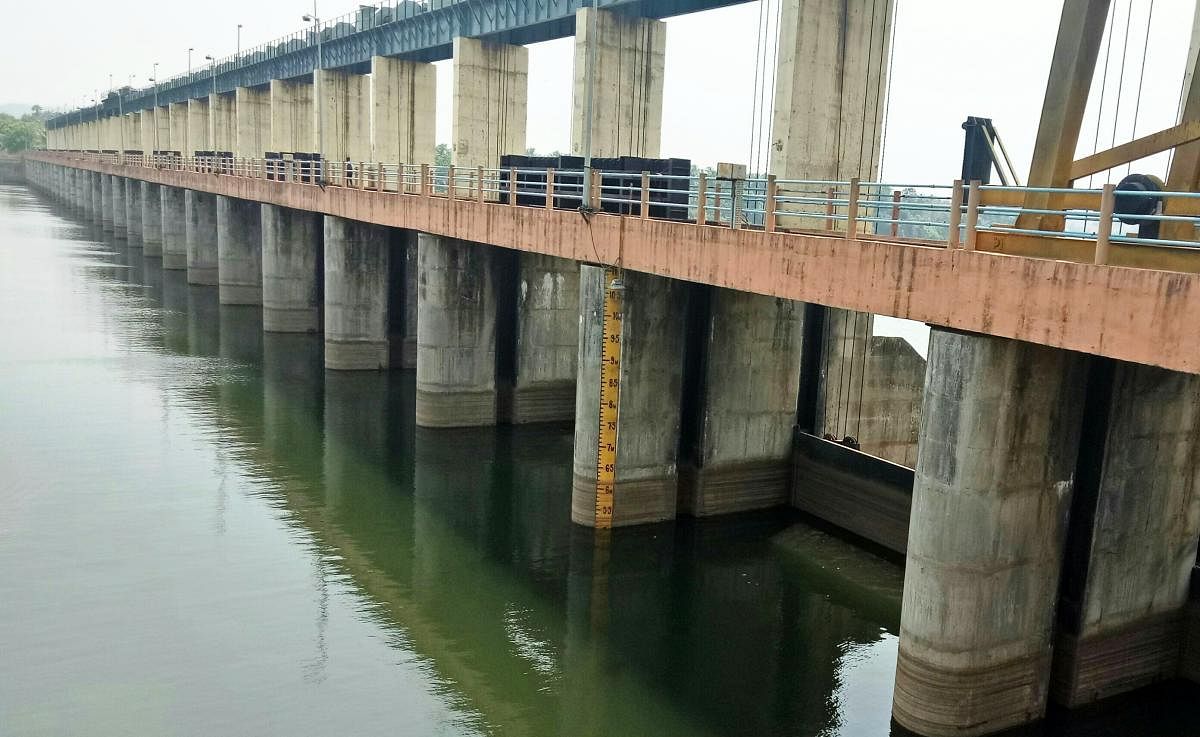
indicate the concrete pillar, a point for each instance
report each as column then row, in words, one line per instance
column 118, row 207
column 291, row 116
column 133, row 211
column 456, row 333
column 86, row 196
column 162, row 124
column 737, row 437
column 198, row 124
column 1133, row 543
column 177, row 117
column 491, row 88
column 152, row 234
column 547, row 339
column 131, row 131
column 174, row 232
column 146, row 131
column 628, row 83
column 253, row 110
column 357, row 265
column 97, row 197
column 652, row 343
column 239, row 251
column 293, row 270
column 200, row 230
column 222, row 122
column 403, row 96
column 106, row 203
column 994, row 478
column 341, row 116
column 408, row 346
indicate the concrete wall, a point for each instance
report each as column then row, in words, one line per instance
column 131, row 127
column 342, row 116
column 995, row 472
column 404, row 106
column 253, row 110
column 146, row 131
column 198, row 127
column 291, row 116
column 162, row 120
column 627, row 90
column 222, row 122
column 491, row 86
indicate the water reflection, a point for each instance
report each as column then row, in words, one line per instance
column 271, row 548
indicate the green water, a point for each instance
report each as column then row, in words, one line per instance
column 202, row 532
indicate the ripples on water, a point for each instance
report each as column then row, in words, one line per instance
column 204, row 533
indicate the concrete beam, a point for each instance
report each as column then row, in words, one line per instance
column 404, row 107
column 491, row 90
column 627, row 84
column 994, row 478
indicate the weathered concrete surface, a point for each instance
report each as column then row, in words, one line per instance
column 342, row 113
column 547, row 340
column 177, row 118
column 252, row 107
column 491, row 90
column 408, row 347
column 652, row 343
column 152, row 239
column 146, row 132
column 200, row 232
column 293, row 270
column 97, row 197
column 291, row 116
column 746, row 404
column 995, row 469
column 174, row 231
column 222, row 122
column 117, row 189
column 357, row 257
column 162, row 127
column 627, row 84
column 198, row 127
column 239, row 251
column 1129, row 625
column 133, row 212
column 1137, row 315
column 456, row 333
column 403, row 99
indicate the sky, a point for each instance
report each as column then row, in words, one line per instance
column 952, row 58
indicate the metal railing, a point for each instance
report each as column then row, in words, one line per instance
column 955, row 215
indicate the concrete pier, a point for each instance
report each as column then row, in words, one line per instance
column 239, row 251
column 546, row 341
column 200, row 231
column 357, row 267
column 1133, row 541
column 106, row 219
column 197, row 127
column 252, row 108
column 994, row 478
column 408, row 345
column 291, row 116
column 342, row 112
column 152, row 239
column 456, row 333
column 118, row 207
column 133, row 212
column 222, row 122
column 403, row 96
column 97, row 210
column 177, row 119
column 293, row 270
column 741, row 403
column 491, row 90
column 174, row 232
column 652, row 352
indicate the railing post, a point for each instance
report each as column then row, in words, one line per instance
column 424, row 180
column 852, row 210
column 479, row 176
column 644, row 206
column 512, row 187
column 895, row 213
column 362, row 176
column 952, row 235
column 769, row 205
column 702, row 199
column 972, row 214
column 1104, row 227
column 597, row 182
column 550, row 189
column 830, row 192
column 451, row 182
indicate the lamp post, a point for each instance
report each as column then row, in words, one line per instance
column 589, row 82
column 239, row 44
column 190, row 62
column 154, row 118
column 318, row 91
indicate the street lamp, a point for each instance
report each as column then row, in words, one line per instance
column 154, row 118
column 317, row 88
column 239, row 44
column 213, row 66
column 190, row 62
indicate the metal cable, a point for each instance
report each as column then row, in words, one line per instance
column 1120, row 85
column 756, row 101
column 1141, row 78
column 1112, row 13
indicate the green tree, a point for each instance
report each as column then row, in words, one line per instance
column 441, row 155
column 21, row 134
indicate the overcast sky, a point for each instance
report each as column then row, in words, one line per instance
column 952, row 58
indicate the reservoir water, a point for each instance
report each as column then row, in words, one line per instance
column 203, row 532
